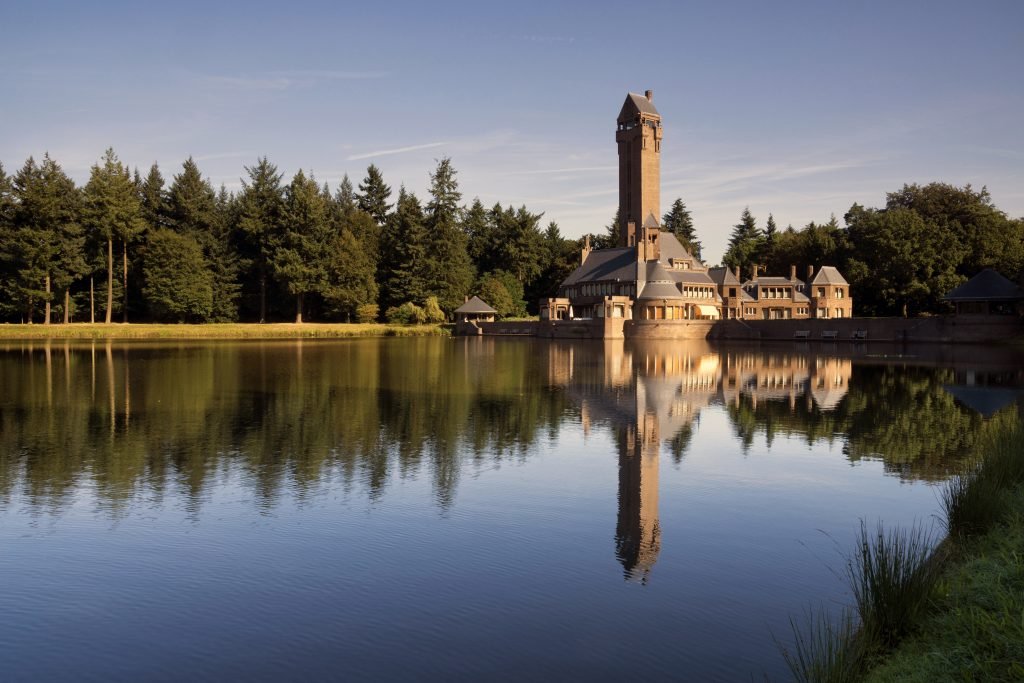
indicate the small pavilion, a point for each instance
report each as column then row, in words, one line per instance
column 475, row 310
column 987, row 293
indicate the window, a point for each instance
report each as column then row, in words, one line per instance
column 839, row 313
column 839, row 292
column 821, row 292
column 732, row 291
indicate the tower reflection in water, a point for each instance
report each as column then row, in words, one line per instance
column 651, row 393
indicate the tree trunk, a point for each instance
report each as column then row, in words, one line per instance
column 263, row 295
column 28, row 311
column 298, row 309
column 67, row 305
column 110, row 279
column 124, row 258
column 46, row 321
column 92, row 300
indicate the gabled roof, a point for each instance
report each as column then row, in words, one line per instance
column 829, row 275
column 606, row 264
column 723, row 276
column 988, row 285
column 672, row 248
column 986, row 401
column 475, row 305
column 635, row 104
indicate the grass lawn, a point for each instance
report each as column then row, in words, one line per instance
column 216, row 331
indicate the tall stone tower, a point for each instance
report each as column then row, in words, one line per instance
column 638, row 134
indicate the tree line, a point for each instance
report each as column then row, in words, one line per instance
column 900, row 259
column 126, row 246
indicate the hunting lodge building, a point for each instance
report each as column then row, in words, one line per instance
column 651, row 276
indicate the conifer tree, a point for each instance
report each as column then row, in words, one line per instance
column 679, row 223
column 345, row 197
column 194, row 211
column 48, row 236
column 479, row 237
column 746, row 244
column 351, row 280
column 113, row 212
column 154, row 199
column 7, row 242
column 449, row 269
column 301, row 259
column 404, row 271
column 178, row 284
column 373, row 195
column 260, row 214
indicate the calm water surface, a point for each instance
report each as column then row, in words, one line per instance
column 455, row 508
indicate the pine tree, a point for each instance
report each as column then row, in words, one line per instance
column 679, row 223
column 449, row 269
column 260, row 211
column 154, row 199
column 223, row 258
column 48, row 238
column 7, row 243
column 746, row 244
column 113, row 211
column 351, row 281
column 178, row 285
column 301, row 259
column 480, row 239
column 345, row 198
column 194, row 211
column 404, row 271
column 373, row 195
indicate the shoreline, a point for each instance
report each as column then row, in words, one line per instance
column 16, row 332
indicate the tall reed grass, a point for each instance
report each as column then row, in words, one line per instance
column 824, row 649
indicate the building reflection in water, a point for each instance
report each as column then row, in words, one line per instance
column 652, row 393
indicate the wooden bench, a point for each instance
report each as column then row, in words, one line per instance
column 802, row 334
column 859, row 334
column 829, row 334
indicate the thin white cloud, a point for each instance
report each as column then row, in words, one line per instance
column 399, row 150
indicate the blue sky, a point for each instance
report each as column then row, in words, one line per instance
column 798, row 109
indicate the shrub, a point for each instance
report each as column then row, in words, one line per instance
column 432, row 312
column 973, row 503
column 406, row 314
column 367, row 313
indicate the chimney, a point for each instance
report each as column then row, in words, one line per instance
column 792, row 273
column 649, row 94
column 586, row 250
column 810, row 273
column 753, row 272
column 738, row 273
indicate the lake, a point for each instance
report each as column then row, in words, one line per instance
column 466, row 509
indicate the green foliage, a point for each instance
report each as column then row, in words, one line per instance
column 373, row 195
column 178, row 285
column 367, row 313
column 432, row 312
column 825, row 650
column 908, row 264
column 975, row 502
column 406, row 314
column 351, row 281
column 260, row 216
column 301, row 260
column 893, row 580
column 746, row 244
column 403, row 274
column 679, row 223
column 502, row 292
column 448, row 269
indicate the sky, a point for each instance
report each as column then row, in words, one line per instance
column 798, row 109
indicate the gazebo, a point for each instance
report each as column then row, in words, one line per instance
column 475, row 310
column 987, row 293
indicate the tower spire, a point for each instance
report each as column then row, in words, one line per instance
column 638, row 136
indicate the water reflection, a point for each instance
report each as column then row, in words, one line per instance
column 143, row 417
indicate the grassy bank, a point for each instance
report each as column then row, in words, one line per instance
column 216, row 331
column 955, row 613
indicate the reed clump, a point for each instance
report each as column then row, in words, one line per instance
column 895, row 577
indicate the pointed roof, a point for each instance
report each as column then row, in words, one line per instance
column 475, row 305
column 988, row 285
column 651, row 221
column 829, row 275
column 636, row 104
column 723, row 276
